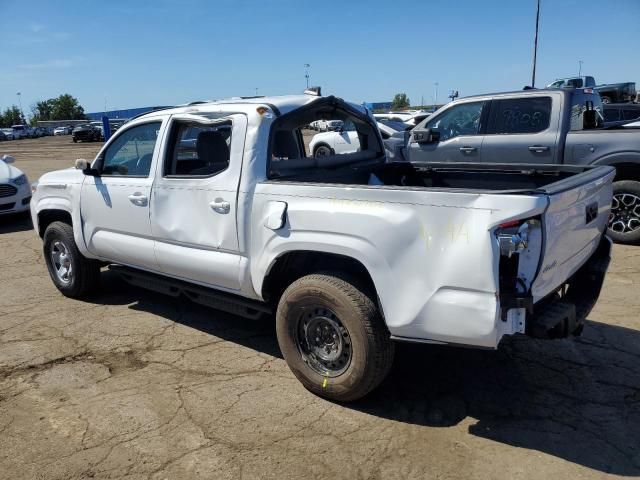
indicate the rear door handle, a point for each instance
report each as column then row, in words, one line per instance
column 138, row 199
column 468, row 149
column 538, row 149
column 220, row 206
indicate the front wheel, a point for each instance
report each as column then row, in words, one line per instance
column 333, row 337
column 624, row 220
column 322, row 151
column 72, row 273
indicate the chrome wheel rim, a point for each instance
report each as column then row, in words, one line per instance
column 625, row 213
column 323, row 342
column 61, row 261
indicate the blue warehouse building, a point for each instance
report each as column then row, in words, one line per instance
column 123, row 114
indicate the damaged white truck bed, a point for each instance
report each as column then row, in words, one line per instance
column 222, row 203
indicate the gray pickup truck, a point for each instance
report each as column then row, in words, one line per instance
column 550, row 126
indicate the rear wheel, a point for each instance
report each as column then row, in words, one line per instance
column 624, row 220
column 72, row 273
column 333, row 337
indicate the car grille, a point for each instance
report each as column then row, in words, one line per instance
column 7, row 190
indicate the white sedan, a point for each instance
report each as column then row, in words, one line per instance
column 347, row 141
column 15, row 191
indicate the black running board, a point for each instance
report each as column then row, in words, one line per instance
column 226, row 302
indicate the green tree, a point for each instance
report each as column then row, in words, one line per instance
column 41, row 110
column 11, row 116
column 400, row 101
column 66, row 107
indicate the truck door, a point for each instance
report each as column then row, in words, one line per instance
column 115, row 205
column 460, row 138
column 522, row 130
column 194, row 200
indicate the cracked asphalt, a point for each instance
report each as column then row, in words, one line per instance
column 133, row 385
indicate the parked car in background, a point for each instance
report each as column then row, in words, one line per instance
column 250, row 224
column 98, row 126
column 573, row 82
column 8, row 133
column 326, row 125
column 20, row 131
column 346, row 140
column 617, row 112
column 15, row 190
column 617, row 92
column 60, row 131
column 3, row 137
column 85, row 133
column 561, row 126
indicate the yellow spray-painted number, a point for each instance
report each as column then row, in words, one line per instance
column 324, row 383
column 458, row 232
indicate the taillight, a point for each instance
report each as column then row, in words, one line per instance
column 520, row 244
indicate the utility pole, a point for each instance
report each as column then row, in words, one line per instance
column 535, row 47
column 306, row 73
column 20, row 103
column 580, row 62
column 435, row 101
column 256, row 91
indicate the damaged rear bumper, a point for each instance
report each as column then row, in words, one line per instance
column 563, row 313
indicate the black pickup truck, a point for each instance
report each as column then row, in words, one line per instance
column 548, row 126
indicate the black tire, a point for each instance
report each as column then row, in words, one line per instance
column 322, row 150
column 370, row 347
column 75, row 140
column 85, row 273
column 624, row 222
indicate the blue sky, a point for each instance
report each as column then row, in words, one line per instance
column 140, row 53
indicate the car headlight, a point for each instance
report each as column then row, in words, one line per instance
column 21, row 180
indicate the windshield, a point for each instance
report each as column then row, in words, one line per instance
column 394, row 125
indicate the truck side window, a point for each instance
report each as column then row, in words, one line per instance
column 519, row 115
column 131, row 152
column 198, row 150
column 463, row 119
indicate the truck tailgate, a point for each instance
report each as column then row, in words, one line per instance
column 573, row 224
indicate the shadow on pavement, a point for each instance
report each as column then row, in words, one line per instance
column 15, row 222
column 576, row 399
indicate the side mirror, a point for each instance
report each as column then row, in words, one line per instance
column 85, row 166
column 7, row 159
column 590, row 120
column 82, row 164
column 426, row 136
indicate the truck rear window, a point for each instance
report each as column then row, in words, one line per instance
column 519, row 115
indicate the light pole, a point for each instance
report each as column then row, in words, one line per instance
column 20, row 103
column 580, row 62
column 306, row 73
column 256, row 91
column 535, row 47
column 435, row 101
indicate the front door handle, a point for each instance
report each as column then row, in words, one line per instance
column 220, row 206
column 138, row 199
column 468, row 149
column 538, row 148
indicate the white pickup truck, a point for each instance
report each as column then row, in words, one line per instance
column 222, row 203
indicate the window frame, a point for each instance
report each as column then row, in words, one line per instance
column 122, row 131
column 490, row 123
column 482, row 126
column 174, row 128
